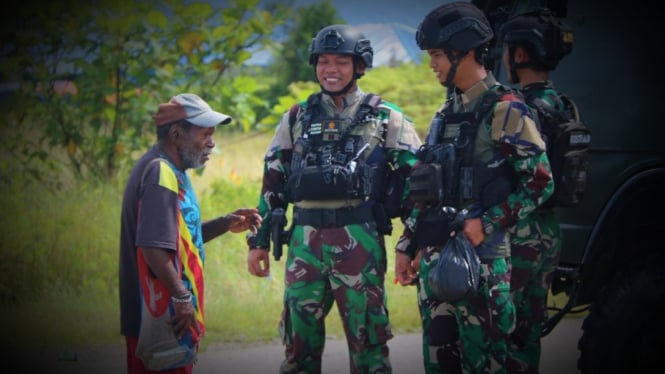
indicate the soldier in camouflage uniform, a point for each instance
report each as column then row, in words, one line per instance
column 497, row 170
column 533, row 43
column 331, row 157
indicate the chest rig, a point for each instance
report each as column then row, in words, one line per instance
column 328, row 160
column 449, row 175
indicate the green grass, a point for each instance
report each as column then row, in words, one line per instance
column 58, row 284
column 58, row 287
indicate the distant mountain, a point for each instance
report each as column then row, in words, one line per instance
column 392, row 42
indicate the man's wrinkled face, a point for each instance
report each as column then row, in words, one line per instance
column 195, row 146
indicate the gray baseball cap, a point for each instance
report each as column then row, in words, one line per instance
column 193, row 109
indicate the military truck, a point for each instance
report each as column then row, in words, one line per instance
column 612, row 264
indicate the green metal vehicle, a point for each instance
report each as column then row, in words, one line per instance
column 613, row 258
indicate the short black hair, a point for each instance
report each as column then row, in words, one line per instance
column 163, row 130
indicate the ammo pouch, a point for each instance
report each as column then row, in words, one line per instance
column 335, row 183
column 388, row 190
column 384, row 225
column 431, row 179
column 433, row 228
column 426, row 183
column 573, row 170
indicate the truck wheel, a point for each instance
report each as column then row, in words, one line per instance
column 625, row 330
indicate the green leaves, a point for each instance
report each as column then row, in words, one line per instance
column 124, row 57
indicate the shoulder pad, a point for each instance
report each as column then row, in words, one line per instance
column 400, row 130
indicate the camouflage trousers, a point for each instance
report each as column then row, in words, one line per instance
column 346, row 266
column 535, row 247
column 471, row 335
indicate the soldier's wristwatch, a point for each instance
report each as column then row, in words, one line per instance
column 488, row 226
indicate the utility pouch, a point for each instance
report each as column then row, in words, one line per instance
column 394, row 195
column 433, row 228
column 316, row 183
column 569, row 160
column 384, row 225
column 426, row 183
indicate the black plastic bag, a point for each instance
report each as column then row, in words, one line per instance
column 457, row 273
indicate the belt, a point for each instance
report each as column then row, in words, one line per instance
column 332, row 217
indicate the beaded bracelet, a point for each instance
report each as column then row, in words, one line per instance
column 183, row 300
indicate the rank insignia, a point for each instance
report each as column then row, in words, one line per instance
column 315, row 129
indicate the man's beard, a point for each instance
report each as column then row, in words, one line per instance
column 190, row 157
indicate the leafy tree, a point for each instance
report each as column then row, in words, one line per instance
column 292, row 57
column 86, row 77
column 413, row 87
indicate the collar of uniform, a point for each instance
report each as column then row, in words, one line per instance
column 348, row 99
column 538, row 86
column 478, row 89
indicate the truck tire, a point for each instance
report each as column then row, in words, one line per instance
column 625, row 329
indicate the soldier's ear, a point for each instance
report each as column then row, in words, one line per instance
column 520, row 55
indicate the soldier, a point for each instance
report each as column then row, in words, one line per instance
column 533, row 45
column 492, row 162
column 331, row 157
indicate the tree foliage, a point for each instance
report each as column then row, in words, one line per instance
column 292, row 63
column 85, row 78
column 80, row 81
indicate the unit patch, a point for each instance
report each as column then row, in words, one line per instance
column 332, row 129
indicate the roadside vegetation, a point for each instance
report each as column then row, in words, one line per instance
column 79, row 87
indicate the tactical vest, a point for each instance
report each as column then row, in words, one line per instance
column 450, row 148
column 449, row 176
column 329, row 161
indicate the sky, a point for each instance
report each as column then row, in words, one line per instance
column 407, row 12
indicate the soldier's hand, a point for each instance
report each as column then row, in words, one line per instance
column 416, row 261
column 405, row 273
column 473, row 230
column 258, row 262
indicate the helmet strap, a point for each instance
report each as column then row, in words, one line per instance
column 454, row 63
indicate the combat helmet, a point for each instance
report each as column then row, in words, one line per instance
column 341, row 39
column 456, row 28
column 460, row 26
column 546, row 38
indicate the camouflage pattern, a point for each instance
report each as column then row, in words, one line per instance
column 342, row 265
column 476, row 340
column 536, row 248
column 469, row 336
column 345, row 265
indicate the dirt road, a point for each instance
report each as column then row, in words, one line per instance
column 559, row 356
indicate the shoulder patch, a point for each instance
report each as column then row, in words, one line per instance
column 512, row 123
